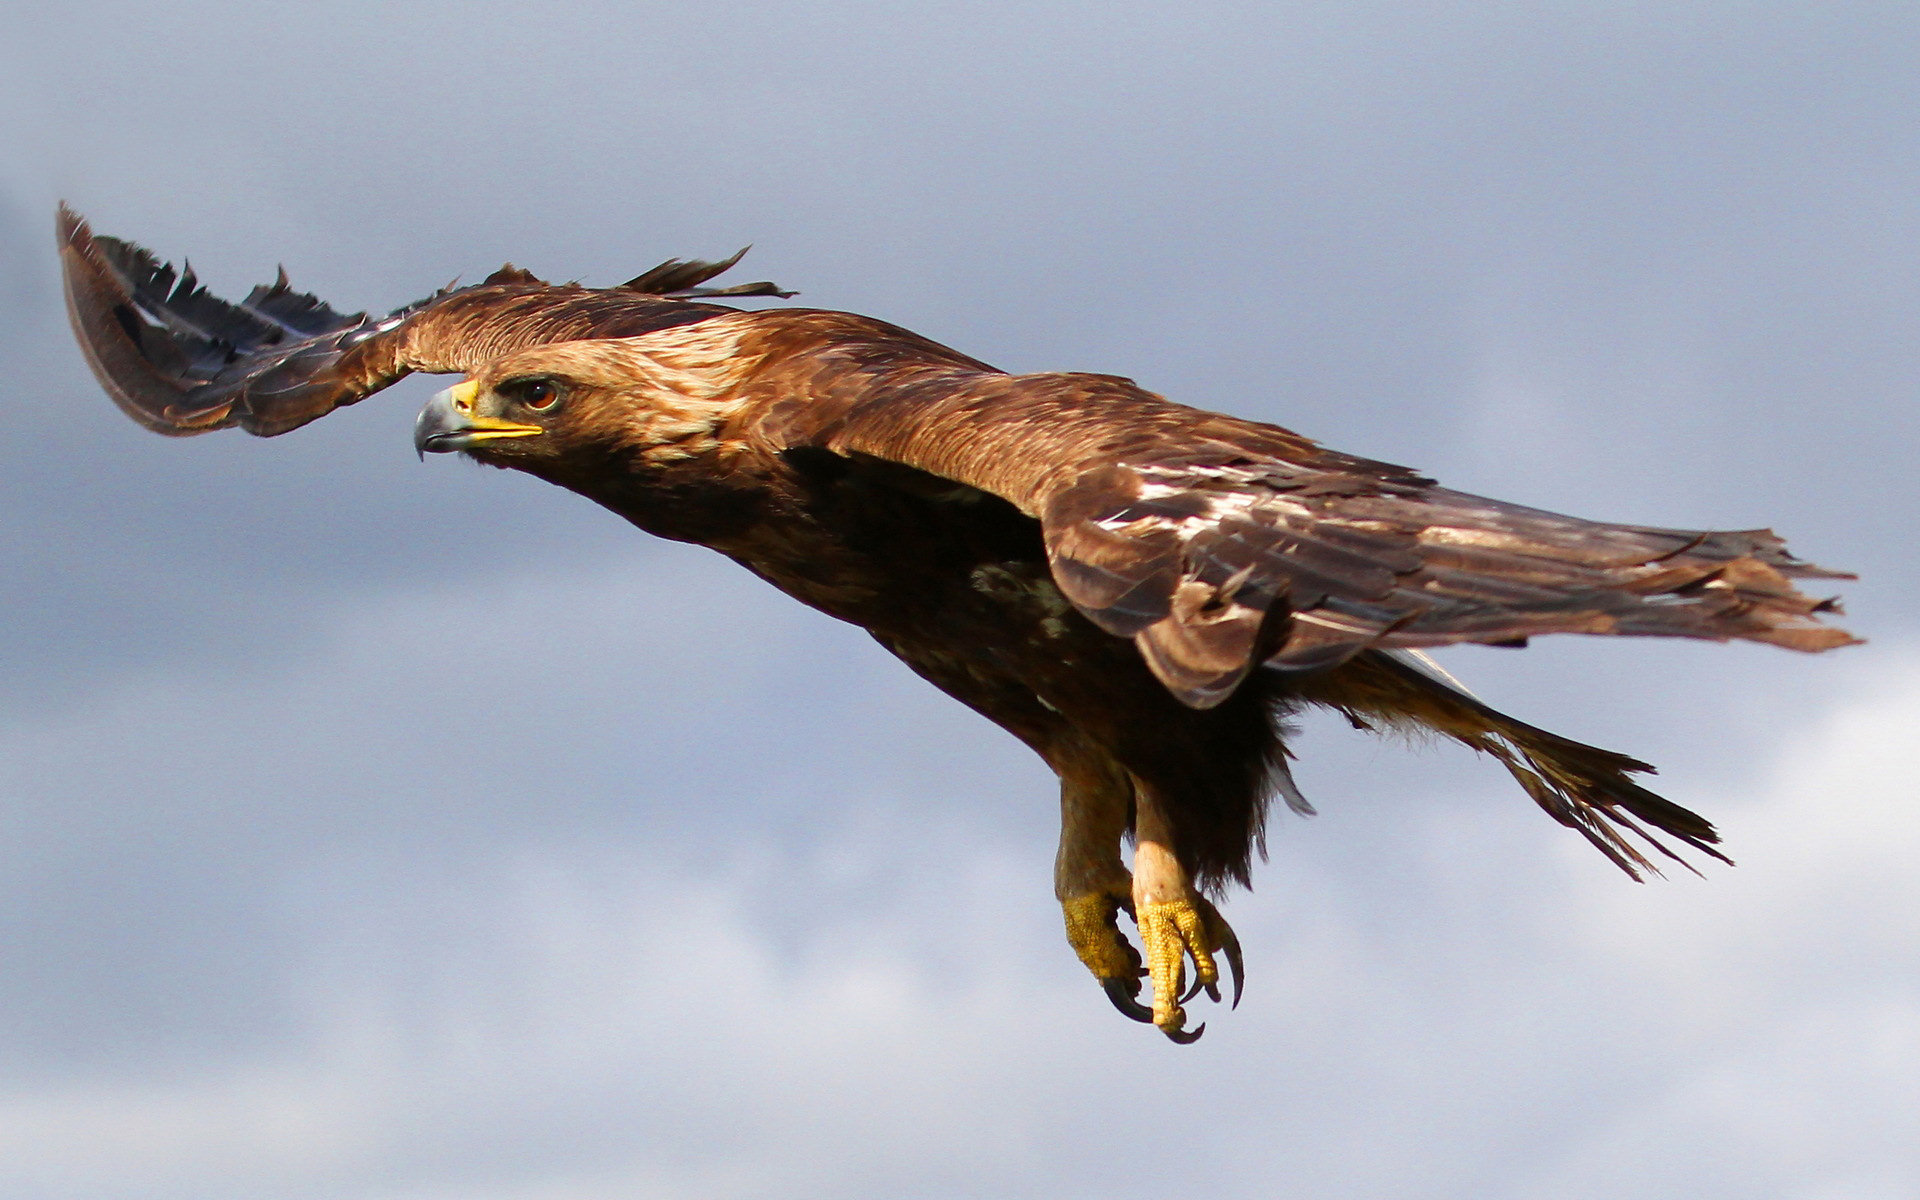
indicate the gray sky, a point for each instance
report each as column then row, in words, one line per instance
column 683, row 890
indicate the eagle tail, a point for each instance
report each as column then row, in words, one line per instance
column 1585, row 788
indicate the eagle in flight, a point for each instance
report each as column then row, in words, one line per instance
column 1140, row 591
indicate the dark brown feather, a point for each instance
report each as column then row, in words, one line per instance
column 1583, row 787
column 681, row 279
column 181, row 361
column 1218, row 544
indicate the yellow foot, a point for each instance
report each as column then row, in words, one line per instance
column 1093, row 929
column 1172, row 932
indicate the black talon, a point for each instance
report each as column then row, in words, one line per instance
column 1229, row 946
column 1180, row 981
column 1212, row 990
column 1186, row 1037
column 1122, row 993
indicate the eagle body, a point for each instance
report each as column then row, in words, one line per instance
column 950, row 578
column 1138, row 590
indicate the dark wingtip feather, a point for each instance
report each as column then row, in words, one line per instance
column 138, row 369
column 680, row 279
column 176, row 358
column 510, row 274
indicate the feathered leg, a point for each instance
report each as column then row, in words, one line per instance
column 1176, row 922
column 1090, row 881
column 1099, row 801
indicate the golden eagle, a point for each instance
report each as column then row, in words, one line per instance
column 1139, row 591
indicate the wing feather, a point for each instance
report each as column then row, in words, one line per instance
column 1219, row 545
column 181, row 361
column 1304, row 578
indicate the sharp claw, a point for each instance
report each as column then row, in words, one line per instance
column 1230, row 946
column 1186, row 1037
column 1122, row 993
column 1199, row 983
column 1180, row 977
column 1193, row 991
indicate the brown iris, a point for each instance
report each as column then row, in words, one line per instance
column 539, row 395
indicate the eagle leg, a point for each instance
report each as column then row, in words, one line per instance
column 1176, row 923
column 1091, row 883
column 1099, row 801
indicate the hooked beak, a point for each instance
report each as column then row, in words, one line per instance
column 449, row 423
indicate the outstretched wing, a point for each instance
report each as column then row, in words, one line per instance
column 1218, row 544
column 1209, row 566
column 181, row 361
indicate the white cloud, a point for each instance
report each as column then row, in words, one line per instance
column 875, row 1000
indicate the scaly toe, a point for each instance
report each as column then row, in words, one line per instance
column 1094, row 932
column 1172, row 932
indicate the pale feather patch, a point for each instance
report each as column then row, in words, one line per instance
column 686, row 380
column 1424, row 663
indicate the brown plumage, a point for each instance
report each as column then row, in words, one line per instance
column 1138, row 590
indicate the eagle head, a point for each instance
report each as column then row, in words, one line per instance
column 644, row 398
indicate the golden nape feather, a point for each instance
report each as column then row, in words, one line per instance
column 1138, row 590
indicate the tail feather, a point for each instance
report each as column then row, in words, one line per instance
column 1585, row 788
column 1589, row 790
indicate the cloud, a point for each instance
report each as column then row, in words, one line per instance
column 685, row 950
column 303, row 892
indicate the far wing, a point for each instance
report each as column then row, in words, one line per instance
column 1210, row 567
column 1219, row 544
column 181, row 361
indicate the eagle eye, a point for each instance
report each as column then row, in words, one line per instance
column 539, row 395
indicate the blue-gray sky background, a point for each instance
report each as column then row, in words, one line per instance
column 394, row 832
